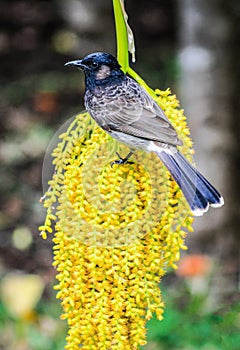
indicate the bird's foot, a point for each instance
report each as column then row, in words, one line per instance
column 121, row 160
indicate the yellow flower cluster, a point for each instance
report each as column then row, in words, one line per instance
column 117, row 229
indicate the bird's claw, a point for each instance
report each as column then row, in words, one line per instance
column 121, row 160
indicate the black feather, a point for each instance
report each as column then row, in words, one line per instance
column 197, row 190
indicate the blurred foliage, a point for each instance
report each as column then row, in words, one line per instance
column 185, row 326
column 41, row 330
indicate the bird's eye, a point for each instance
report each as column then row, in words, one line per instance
column 94, row 64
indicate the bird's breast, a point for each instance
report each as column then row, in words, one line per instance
column 100, row 97
column 93, row 101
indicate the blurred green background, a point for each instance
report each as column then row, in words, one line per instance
column 191, row 47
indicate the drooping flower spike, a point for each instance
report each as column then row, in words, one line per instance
column 117, row 230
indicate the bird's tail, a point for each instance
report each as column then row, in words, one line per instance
column 198, row 192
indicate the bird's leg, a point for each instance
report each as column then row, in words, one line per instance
column 121, row 160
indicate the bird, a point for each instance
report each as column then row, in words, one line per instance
column 125, row 110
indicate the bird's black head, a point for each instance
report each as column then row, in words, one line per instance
column 100, row 69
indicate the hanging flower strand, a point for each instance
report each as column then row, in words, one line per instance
column 117, row 228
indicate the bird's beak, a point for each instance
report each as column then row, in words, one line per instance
column 77, row 63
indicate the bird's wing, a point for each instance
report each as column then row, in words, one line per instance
column 132, row 111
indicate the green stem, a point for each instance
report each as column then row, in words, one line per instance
column 141, row 82
column 122, row 46
column 121, row 36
